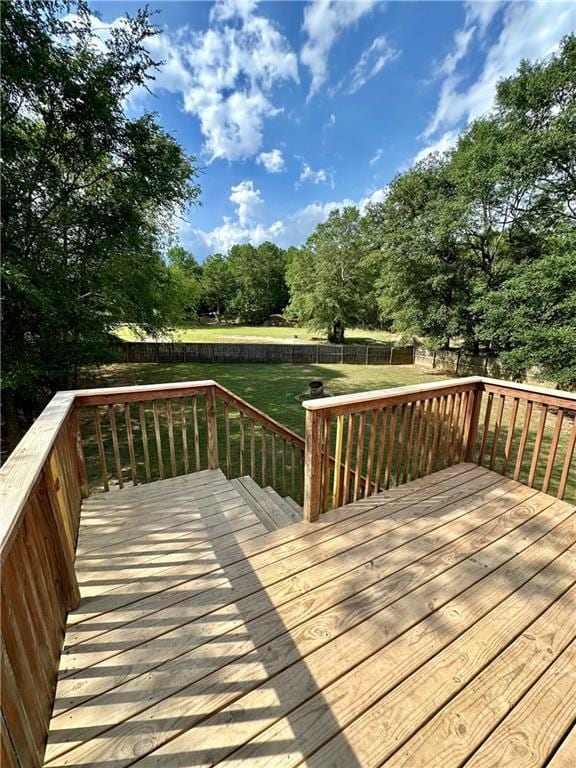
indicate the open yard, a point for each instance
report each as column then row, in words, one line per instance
column 271, row 387
column 255, row 334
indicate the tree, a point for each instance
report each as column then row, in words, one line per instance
column 87, row 197
column 532, row 316
column 218, row 286
column 186, row 287
column 260, row 286
column 424, row 273
column 330, row 278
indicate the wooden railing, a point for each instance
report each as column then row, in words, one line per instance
column 140, row 434
column 360, row 445
column 42, row 484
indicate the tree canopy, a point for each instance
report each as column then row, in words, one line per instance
column 88, row 196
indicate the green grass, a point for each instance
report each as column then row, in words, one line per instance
column 257, row 334
column 271, row 387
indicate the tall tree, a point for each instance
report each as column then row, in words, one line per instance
column 218, row 286
column 260, row 286
column 87, row 196
column 330, row 278
column 186, row 287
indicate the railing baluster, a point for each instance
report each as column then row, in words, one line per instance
column 523, row 440
column 326, row 463
column 359, row 455
column 427, row 417
column 553, row 450
column 538, row 444
column 486, row 428
column 497, row 428
column 101, row 451
column 273, row 438
column 252, row 450
column 409, row 442
column 263, row 450
column 567, row 461
column 115, row 445
column 401, row 443
column 158, row 436
column 510, row 435
column 381, row 448
column 241, row 428
column 184, row 435
column 168, row 408
column 391, row 446
column 130, row 437
column 283, row 466
column 227, row 433
column 433, row 433
column 348, row 459
column 371, row 449
column 196, row 433
column 337, row 484
column 292, row 470
column 144, row 436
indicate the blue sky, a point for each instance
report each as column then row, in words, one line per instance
column 295, row 108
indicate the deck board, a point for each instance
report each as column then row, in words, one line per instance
column 367, row 637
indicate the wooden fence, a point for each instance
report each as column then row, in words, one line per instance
column 458, row 361
column 354, row 354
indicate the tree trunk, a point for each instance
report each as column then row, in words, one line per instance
column 337, row 335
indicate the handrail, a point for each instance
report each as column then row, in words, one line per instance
column 404, row 432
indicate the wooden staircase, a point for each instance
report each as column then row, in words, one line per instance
column 272, row 510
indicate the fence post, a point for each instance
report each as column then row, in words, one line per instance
column 212, row 429
column 312, row 466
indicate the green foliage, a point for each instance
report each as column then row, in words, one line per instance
column 259, row 283
column 532, row 317
column 185, row 285
column 218, row 286
column 88, row 195
column 330, row 279
column 462, row 235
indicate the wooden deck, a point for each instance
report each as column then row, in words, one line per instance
column 431, row 625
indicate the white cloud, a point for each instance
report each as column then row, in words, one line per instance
column 324, row 21
column 226, row 74
column 528, row 31
column 442, row 144
column 377, row 156
column 373, row 59
column 331, row 121
column 247, row 201
column 273, row 161
column 250, row 227
column 321, row 176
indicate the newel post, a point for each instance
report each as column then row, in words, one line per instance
column 212, row 428
column 313, row 465
column 471, row 424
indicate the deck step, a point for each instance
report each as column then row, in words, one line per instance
column 266, row 506
column 293, row 511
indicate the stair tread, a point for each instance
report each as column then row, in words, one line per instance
column 292, row 510
column 272, row 514
column 295, row 507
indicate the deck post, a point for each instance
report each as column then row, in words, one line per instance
column 313, row 466
column 212, row 428
column 471, row 424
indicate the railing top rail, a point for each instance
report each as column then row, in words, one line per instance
column 104, row 395
column 559, row 397
column 370, row 399
column 22, row 469
column 271, row 423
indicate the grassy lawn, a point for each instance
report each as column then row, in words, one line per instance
column 257, row 334
column 271, row 387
